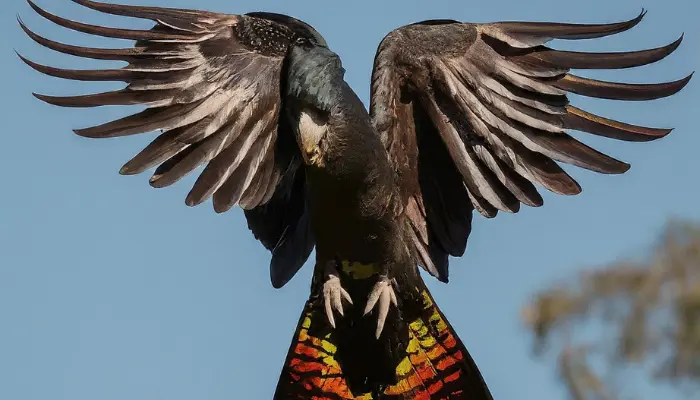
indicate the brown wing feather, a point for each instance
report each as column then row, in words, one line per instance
column 496, row 97
column 211, row 84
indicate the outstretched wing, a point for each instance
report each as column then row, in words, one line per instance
column 211, row 83
column 473, row 115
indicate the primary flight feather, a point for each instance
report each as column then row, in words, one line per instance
column 462, row 117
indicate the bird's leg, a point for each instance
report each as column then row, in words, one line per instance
column 381, row 296
column 333, row 292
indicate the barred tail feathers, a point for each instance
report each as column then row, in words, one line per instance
column 436, row 364
column 310, row 370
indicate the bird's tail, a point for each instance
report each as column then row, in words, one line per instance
column 434, row 365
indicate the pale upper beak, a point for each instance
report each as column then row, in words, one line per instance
column 310, row 133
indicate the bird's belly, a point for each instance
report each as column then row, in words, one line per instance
column 351, row 222
column 343, row 233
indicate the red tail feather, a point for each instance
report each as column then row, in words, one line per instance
column 436, row 365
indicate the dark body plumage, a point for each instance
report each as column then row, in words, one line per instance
column 462, row 117
column 356, row 216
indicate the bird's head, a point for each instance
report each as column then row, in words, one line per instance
column 314, row 81
column 311, row 130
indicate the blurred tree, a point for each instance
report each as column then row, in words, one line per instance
column 627, row 317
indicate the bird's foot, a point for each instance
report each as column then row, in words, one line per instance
column 382, row 296
column 333, row 293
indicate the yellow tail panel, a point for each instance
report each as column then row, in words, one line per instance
column 436, row 364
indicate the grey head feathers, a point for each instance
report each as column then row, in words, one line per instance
column 314, row 76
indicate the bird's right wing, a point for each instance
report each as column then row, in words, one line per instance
column 211, row 84
column 473, row 115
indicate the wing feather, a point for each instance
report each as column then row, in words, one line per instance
column 211, row 84
column 619, row 91
column 117, row 33
column 497, row 98
column 560, row 59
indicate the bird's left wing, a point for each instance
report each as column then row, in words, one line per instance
column 211, row 84
column 473, row 115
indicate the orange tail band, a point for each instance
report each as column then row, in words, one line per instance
column 436, row 364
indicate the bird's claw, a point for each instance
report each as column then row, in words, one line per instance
column 382, row 296
column 333, row 294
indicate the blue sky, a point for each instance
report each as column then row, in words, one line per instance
column 112, row 290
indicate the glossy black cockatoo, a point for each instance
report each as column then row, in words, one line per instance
column 462, row 117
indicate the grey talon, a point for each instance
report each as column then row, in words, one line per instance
column 333, row 293
column 382, row 296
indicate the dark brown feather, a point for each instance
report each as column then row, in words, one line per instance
column 497, row 98
column 132, row 34
column 87, row 52
column 619, row 91
column 254, row 194
column 541, row 169
column 520, row 187
column 584, row 121
column 282, row 226
column 447, row 210
column 153, row 13
column 147, row 120
column 82, row 75
column 177, row 166
column 568, row 31
column 233, row 187
column 211, row 83
column 162, row 148
column 612, row 60
column 119, row 97
column 571, row 151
